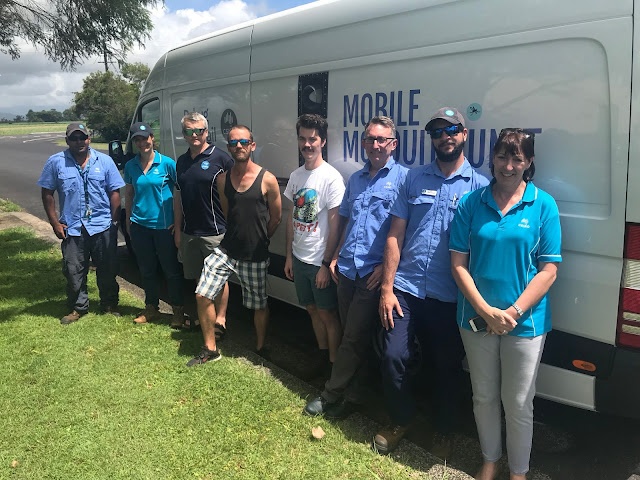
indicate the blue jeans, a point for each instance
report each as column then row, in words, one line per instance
column 434, row 324
column 77, row 253
column 152, row 247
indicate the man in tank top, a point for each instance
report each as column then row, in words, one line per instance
column 250, row 200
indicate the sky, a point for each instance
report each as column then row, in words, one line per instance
column 34, row 82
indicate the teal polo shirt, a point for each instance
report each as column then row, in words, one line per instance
column 505, row 250
column 153, row 192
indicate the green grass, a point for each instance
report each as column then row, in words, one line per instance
column 104, row 399
column 27, row 128
column 8, row 206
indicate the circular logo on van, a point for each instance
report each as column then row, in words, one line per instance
column 227, row 121
column 474, row 111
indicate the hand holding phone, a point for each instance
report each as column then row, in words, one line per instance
column 477, row 323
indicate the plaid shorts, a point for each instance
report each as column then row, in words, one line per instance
column 217, row 269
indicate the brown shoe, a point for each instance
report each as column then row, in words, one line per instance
column 177, row 320
column 71, row 317
column 440, row 445
column 388, row 439
column 149, row 314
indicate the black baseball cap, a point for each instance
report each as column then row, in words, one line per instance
column 140, row 129
column 77, row 127
column 449, row 114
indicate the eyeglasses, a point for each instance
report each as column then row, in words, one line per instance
column 243, row 142
column 190, row 131
column 77, row 138
column 382, row 141
column 521, row 131
column 451, row 130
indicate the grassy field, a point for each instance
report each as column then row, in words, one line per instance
column 27, row 128
column 8, row 206
column 106, row 399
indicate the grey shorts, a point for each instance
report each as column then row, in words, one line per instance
column 217, row 269
column 193, row 251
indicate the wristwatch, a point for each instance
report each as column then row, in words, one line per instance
column 518, row 309
column 326, row 264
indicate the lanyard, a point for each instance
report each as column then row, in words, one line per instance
column 85, row 180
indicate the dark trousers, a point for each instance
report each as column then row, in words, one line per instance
column 77, row 253
column 151, row 247
column 434, row 324
column 358, row 309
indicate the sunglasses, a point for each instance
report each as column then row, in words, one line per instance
column 520, row 131
column 190, row 131
column 382, row 141
column 77, row 138
column 450, row 130
column 243, row 142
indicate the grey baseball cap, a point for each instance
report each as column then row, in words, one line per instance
column 449, row 114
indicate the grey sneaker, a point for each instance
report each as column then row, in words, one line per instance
column 71, row 317
column 205, row 356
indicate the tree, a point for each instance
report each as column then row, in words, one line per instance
column 19, row 119
column 69, row 115
column 70, row 32
column 106, row 103
column 135, row 73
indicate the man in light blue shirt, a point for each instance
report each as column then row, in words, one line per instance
column 418, row 294
column 365, row 212
column 88, row 185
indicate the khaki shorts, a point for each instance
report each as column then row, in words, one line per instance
column 193, row 251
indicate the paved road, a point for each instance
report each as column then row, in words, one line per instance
column 569, row 444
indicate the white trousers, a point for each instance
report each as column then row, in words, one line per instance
column 504, row 367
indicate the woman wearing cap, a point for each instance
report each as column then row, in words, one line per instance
column 505, row 250
column 150, row 178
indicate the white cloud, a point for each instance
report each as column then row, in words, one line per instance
column 33, row 82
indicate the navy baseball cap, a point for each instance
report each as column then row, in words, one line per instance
column 140, row 129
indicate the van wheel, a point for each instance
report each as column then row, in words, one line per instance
column 415, row 363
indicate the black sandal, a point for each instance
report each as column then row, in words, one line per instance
column 220, row 332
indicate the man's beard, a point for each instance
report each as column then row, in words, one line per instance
column 452, row 156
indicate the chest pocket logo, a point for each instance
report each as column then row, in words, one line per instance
column 524, row 223
column 205, row 165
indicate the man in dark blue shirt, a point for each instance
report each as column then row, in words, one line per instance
column 200, row 223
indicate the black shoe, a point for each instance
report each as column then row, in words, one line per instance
column 264, row 352
column 317, row 406
column 205, row 356
column 110, row 310
column 340, row 410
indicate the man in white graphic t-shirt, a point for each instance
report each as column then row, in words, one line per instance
column 316, row 190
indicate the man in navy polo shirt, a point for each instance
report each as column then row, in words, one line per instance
column 88, row 185
column 365, row 212
column 200, row 223
column 418, row 295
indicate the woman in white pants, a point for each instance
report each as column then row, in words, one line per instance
column 505, row 249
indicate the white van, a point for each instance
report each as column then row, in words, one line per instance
column 562, row 69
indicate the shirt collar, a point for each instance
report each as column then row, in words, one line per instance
column 206, row 152
column 465, row 170
column 530, row 194
column 388, row 166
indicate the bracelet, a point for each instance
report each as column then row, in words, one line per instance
column 326, row 264
column 518, row 309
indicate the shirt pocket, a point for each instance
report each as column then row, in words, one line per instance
column 67, row 183
column 421, row 204
column 380, row 204
column 96, row 182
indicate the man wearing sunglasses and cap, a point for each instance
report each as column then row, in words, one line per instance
column 200, row 224
column 418, row 294
column 88, row 185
